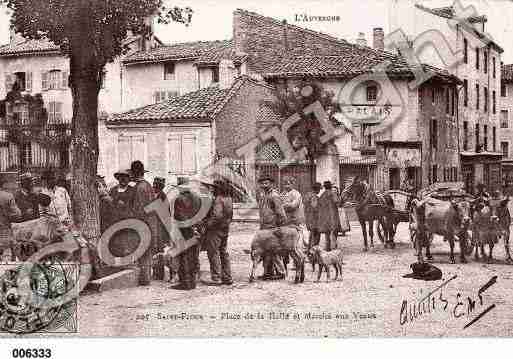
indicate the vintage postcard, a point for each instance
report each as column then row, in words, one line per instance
column 255, row 169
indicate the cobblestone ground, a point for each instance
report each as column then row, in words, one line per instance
column 367, row 302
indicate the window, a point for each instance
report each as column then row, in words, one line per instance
column 434, row 134
column 215, row 74
column 22, row 79
column 55, row 112
column 485, row 64
column 465, row 51
column 477, row 58
column 465, row 92
column 504, row 119
column 465, row 135
column 486, row 99
column 131, row 147
column 447, row 100
column 394, row 178
column 21, row 113
column 372, row 93
column 477, row 138
column 434, row 174
column 169, row 70
column 494, row 102
column 433, row 93
column 494, row 63
column 54, row 80
column 182, row 153
column 494, row 138
column 453, row 101
column 477, row 96
column 26, row 154
column 505, row 149
column 503, row 90
column 160, row 96
column 485, row 136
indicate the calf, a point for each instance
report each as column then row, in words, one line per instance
column 325, row 259
column 289, row 242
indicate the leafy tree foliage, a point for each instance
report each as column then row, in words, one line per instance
column 91, row 33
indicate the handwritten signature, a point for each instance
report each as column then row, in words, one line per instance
column 435, row 300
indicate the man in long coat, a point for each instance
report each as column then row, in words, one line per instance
column 26, row 199
column 144, row 195
column 312, row 214
column 329, row 220
column 217, row 230
column 272, row 215
column 186, row 205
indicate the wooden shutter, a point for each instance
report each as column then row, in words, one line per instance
column 124, row 151
column 64, row 82
column 9, row 80
column 189, row 153
column 175, row 154
column 137, row 149
column 51, row 112
column 28, row 81
column 44, row 80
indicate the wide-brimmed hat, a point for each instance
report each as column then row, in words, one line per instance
column 44, row 199
column 137, row 166
column 265, row 177
column 121, row 173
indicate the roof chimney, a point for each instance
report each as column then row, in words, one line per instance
column 378, row 39
column 361, row 39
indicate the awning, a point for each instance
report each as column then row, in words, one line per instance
column 351, row 160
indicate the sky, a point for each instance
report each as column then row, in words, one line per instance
column 212, row 20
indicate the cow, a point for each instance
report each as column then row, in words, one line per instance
column 450, row 219
column 491, row 222
column 288, row 242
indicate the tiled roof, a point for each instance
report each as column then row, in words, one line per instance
column 204, row 52
column 203, row 104
column 346, row 66
column 507, row 73
column 448, row 13
column 27, row 47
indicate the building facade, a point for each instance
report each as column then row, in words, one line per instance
column 506, row 125
column 469, row 53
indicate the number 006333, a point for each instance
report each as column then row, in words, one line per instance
column 31, row 353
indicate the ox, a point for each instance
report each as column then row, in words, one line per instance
column 449, row 219
column 491, row 221
column 289, row 242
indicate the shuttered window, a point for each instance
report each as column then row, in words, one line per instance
column 182, row 154
column 54, row 80
column 131, row 147
column 55, row 112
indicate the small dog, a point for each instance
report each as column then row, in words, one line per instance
column 161, row 260
column 325, row 259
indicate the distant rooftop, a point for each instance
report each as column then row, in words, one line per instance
column 448, row 12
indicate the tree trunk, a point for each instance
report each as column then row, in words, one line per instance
column 84, row 82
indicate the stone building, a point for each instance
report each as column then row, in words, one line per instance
column 506, row 125
column 467, row 51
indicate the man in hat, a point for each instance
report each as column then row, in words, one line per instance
column 60, row 204
column 312, row 214
column 272, row 215
column 186, row 205
column 119, row 200
column 217, row 229
column 143, row 196
column 26, row 199
column 163, row 238
column 9, row 212
column 329, row 220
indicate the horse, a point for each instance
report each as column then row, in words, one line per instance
column 372, row 206
column 449, row 219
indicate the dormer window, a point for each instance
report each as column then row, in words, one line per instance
column 169, row 70
column 372, row 93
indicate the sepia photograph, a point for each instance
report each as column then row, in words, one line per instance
column 255, row 169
